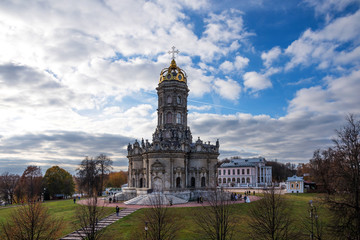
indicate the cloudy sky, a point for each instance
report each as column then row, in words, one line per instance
column 268, row 78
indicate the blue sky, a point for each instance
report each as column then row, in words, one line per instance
column 268, row 78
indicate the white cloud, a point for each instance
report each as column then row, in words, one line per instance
column 323, row 47
column 327, row 6
column 228, row 89
column 227, row 66
column 256, row 81
column 270, row 56
column 340, row 96
column 241, row 62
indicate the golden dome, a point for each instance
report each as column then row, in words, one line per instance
column 173, row 73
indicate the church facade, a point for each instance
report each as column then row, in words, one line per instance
column 172, row 162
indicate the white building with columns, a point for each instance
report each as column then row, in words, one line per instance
column 251, row 172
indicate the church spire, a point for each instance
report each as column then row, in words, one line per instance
column 173, row 72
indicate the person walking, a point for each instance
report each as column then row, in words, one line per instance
column 74, row 200
column 117, row 209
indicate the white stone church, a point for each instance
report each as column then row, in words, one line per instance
column 172, row 163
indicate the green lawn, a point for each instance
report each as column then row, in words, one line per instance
column 61, row 208
column 127, row 227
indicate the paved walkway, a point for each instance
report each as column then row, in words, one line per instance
column 101, row 224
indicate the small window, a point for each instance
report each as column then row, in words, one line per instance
column 229, row 180
column 219, row 172
column 243, row 180
column 178, row 118
column 248, row 180
column 224, row 172
column 292, row 185
column 169, row 117
column 169, row 99
column 233, row 171
column 248, row 171
column 238, row 171
column 178, row 182
column 219, row 180
column 297, row 185
column 243, row 171
column 203, row 182
column 233, row 179
column 229, row 172
column 238, row 180
column 178, row 100
column 224, row 180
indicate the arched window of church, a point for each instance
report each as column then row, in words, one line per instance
column 193, row 182
column 243, row 180
column 141, row 182
column 169, row 117
column 203, row 182
column 178, row 182
column 178, row 118
column 178, row 100
column 169, row 99
column 248, row 180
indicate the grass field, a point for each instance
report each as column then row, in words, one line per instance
column 127, row 227
column 64, row 209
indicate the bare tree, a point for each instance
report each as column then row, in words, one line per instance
column 160, row 224
column 345, row 203
column 312, row 223
column 322, row 169
column 104, row 165
column 217, row 219
column 270, row 217
column 8, row 184
column 29, row 186
column 88, row 175
column 88, row 215
column 31, row 221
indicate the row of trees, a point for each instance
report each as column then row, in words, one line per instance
column 93, row 174
column 32, row 185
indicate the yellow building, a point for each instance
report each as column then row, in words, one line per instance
column 295, row 184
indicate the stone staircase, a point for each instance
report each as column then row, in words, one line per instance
column 149, row 199
column 77, row 235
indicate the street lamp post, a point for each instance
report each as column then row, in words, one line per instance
column 146, row 229
column 44, row 195
column 312, row 219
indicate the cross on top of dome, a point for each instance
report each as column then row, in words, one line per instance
column 173, row 52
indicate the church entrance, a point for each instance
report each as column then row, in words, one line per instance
column 157, row 185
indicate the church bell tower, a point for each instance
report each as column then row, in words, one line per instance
column 172, row 105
